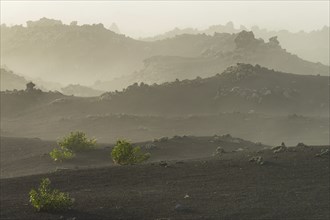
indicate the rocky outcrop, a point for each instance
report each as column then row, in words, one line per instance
column 246, row 40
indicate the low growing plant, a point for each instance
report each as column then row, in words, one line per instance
column 76, row 142
column 45, row 199
column 125, row 154
column 60, row 154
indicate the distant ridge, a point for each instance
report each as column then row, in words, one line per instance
column 240, row 48
column 10, row 81
column 81, row 53
column 313, row 45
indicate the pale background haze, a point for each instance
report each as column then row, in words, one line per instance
column 148, row 18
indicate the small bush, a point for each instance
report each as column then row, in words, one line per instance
column 46, row 199
column 61, row 154
column 76, row 142
column 124, row 154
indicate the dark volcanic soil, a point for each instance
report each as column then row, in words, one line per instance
column 28, row 156
column 290, row 185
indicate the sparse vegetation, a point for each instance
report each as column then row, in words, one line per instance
column 74, row 142
column 125, row 154
column 60, row 154
column 46, row 199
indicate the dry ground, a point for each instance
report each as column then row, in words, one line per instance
column 27, row 156
column 290, row 185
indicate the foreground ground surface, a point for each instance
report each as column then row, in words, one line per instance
column 290, row 185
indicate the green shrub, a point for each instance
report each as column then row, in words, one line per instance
column 124, row 153
column 77, row 141
column 46, row 199
column 74, row 142
column 61, row 154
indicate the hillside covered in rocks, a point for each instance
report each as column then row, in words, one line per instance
column 242, row 87
column 251, row 102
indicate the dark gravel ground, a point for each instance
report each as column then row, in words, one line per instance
column 290, row 185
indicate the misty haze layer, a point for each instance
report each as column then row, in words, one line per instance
column 71, row 54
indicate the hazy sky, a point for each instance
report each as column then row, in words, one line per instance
column 146, row 18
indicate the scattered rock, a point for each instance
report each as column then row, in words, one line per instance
column 324, row 152
column 59, row 169
column 163, row 164
column 162, row 139
column 186, row 196
column 239, row 149
column 258, row 160
column 182, row 208
column 176, row 137
column 216, row 138
column 301, row 145
column 219, row 151
column 150, row 146
column 226, row 136
column 235, row 140
column 291, row 149
column 279, row 149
